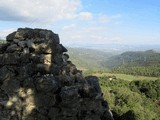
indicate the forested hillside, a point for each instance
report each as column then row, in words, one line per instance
column 145, row 63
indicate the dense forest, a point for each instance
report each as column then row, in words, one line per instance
column 135, row 100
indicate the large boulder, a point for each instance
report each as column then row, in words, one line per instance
column 38, row 82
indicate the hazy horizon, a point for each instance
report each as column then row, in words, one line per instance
column 113, row 47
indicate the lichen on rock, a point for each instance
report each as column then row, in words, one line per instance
column 38, row 82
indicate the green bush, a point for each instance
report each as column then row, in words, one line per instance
column 132, row 100
column 151, row 89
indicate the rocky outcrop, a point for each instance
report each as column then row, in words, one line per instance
column 38, row 82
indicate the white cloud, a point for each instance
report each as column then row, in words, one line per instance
column 117, row 23
column 85, row 15
column 68, row 27
column 85, row 35
column 83, row 27
column 105, row 19
column 116, row 38
column 94, row 29
column 116, row 16
column 38, row 10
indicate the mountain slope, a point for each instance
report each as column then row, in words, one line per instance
column 138, row 58
column 89, row 59
column 137, row 63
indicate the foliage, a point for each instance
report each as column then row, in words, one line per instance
column 128, row 102
column 153, row 71
column 151, row 89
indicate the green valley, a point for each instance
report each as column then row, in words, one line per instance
column 130, row 81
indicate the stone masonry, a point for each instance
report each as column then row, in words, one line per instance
column 38, row 82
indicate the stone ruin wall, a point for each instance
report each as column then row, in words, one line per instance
column 38, row 82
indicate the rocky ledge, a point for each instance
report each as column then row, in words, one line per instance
column 38, row 82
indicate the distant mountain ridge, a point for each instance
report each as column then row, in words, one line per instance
column 145, row 63
column 137, row 63
column 134, row 58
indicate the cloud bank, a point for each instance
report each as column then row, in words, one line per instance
column 38, row 10
column 73, row 21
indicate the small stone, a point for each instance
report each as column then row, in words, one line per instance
column 47, row 84
column 26, row 51
column 3, row 47
column 13, row 48
column 22, row 44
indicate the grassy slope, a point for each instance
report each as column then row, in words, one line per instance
column 122, row 76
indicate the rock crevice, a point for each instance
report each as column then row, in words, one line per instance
column 38, row 82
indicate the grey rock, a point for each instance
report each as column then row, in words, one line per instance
column 60, row 49
column 70, row 97
column 3, row 47
column 57, row 59
column 43, row 48
column 25, row 33
column 46, row 84
column 13, row 48
column 3, row 98
column 22, row 44
column 10, row 37
column 31, row 45
column 6, row 73
column 26, row 51
column 10, row 85
column 93, row 81
column 56, row 38
column 9, row 59
column 54, row 113
column 43, row 68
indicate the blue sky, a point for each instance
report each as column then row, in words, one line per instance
column 91, row 22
